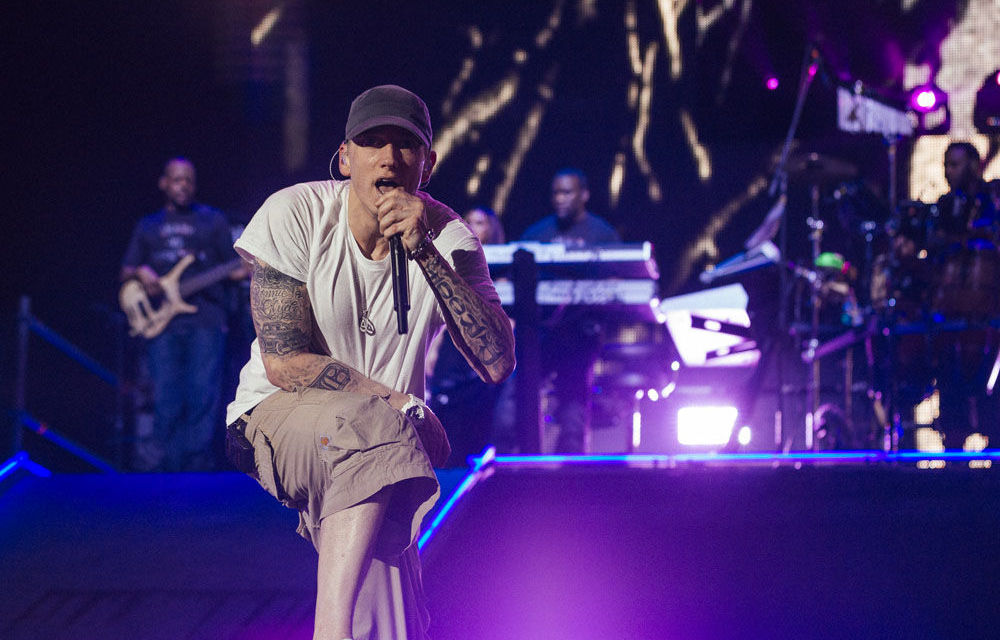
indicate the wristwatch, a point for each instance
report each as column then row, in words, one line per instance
column 425, row 243
column 414, row 408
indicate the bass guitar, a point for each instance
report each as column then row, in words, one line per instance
column 149, row 322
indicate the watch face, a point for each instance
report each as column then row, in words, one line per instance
column 415, row 412
column 413, row 409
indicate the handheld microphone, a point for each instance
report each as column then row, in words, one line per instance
column 400, row 283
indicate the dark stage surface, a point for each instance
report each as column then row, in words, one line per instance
column 696, row 552
column 550, row 552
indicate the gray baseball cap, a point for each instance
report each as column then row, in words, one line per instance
column 389, row 104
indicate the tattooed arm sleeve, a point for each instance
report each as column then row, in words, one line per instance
column 282, row 316
column 479, row 328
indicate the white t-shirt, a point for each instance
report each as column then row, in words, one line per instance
column 302, row 231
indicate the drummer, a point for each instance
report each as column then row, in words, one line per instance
column 967, row 210
column 964, row 238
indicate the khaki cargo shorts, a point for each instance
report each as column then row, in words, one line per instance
column 321, row 451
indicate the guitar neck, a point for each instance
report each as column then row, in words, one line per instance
column 208, row 278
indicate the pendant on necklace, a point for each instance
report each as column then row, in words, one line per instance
column 365, row 324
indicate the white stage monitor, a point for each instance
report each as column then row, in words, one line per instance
column 711, row 328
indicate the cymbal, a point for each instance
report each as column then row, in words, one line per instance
column 815, row 168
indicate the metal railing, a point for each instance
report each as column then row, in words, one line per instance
column 27, row 324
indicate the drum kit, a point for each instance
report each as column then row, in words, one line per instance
column 920, row 298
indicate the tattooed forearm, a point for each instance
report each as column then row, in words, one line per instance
column 282, row 315
column 280, row 308
column 334, row 376
column 281, row 339
column 283, row 319
column 483, row 330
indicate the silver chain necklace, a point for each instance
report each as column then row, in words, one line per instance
column 364, row 321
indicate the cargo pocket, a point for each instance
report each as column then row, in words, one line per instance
column 338, row 442
column 266, row 473
column 361, row 423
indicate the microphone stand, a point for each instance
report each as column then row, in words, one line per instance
column 400, row 283
column 779, row 186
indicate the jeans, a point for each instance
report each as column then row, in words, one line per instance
column 185, row 366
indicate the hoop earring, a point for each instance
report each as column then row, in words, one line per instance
column 330, row 168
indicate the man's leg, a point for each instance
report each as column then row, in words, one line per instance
column 165, row 356
column 346, row 540
column 204, row 364
column 301, row 438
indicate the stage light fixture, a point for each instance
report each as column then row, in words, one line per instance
column 705, row 425
column 743, row 435
column 924, row 99
column 771, row 83
column 929, row 106
column 636, row 429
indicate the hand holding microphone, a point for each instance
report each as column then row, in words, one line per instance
column 398, row 206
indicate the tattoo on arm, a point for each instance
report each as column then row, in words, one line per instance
column 282, row 316
column 479, row 329
column 281, row 312
column 334, row 376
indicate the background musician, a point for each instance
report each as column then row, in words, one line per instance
column 571, row 341
column 968, row 208
column 963, row 248
column 185, row 360
column 571, row 223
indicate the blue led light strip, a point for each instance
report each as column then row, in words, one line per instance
column 22, row 460
column 9, row 466
column 484, row 464
column 804, row 456
column 478, row 471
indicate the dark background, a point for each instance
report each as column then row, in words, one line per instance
column 99, row 94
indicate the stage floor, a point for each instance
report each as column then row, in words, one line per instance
column 541, row 548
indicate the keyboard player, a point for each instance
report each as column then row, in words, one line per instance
column 571, row 342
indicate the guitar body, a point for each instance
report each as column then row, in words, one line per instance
column 174, row 292
column 172, row 304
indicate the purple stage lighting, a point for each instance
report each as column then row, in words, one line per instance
column 705, row 425
column 772, row 83
column 926, row 98
column 744, row 435
column 930, row 106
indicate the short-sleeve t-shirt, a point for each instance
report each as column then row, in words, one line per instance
column 303, row 232
column 589, row 230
